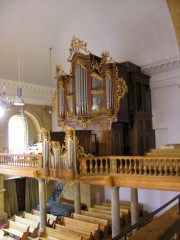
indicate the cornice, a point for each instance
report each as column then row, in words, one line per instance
column 25, row 86
column 162, row 66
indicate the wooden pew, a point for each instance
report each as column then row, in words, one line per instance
column 76, row 232
column 51, row 219
column 125, row 212
column 17, row 230
column 33, row 226
column 51, row 233
column 104, row 223
column 124, row 205
column 31, row 217
column 97, row 215
column 81, row 225
column 108, row 208
column 107, row 214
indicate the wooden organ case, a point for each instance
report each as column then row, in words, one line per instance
column 100, row 99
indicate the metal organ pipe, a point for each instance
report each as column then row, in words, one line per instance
column 81, row 89
column 86, row 97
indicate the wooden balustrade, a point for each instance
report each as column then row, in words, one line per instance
column 136, row 165
column 103, row 165
column 152, row 172
column 22, row 160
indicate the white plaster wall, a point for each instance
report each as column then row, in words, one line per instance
column 165, row 97
column 166, row 112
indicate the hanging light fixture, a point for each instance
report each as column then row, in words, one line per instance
column 5, row 103
column 2, row 102
column 19, row 101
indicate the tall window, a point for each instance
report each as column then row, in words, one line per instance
column 18, row 132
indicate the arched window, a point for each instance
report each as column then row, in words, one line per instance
column 18, row 134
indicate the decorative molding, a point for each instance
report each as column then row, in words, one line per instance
column 84, row 121
column 25, row 86
column 162, row 66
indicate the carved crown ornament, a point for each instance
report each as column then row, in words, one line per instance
column 77, row 45
column 93, row 87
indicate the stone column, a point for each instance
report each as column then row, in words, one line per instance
column 115, row 211
column 42, row 203
column 134, row 206
column 77, row 198
column 3, row 215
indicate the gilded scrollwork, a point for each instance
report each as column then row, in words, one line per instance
column 108, row 75
column 106, row 58
column 77, row 45
column 81, row 63
column 84, row 121
column 59, row 71
column 122, row 89
column 45, row 134
column 61, row 122
column 95, row 66
column 111, row 118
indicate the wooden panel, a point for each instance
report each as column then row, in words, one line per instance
column 57, row 136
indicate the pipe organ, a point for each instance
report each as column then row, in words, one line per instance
column 92, row 87
column 110, row 99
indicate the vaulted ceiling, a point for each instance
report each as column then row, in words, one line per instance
column 140, row 31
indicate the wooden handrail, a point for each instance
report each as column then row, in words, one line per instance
column 99, row 165
column 22, row 160
column 146, row 218
column 136, row 165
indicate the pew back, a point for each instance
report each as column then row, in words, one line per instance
column 33, row 226
column 18, row 230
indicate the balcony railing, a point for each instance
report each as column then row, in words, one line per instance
column 136, row 165
column 22, row 160
column 100, row 165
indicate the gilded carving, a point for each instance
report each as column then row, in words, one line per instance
column 121, row 88
column 106, row 58
column 80, row 150
column 108, row 75
column 81, row 63
column 45, row 134
column 95, row 66
column 77, row 46
column 61, row 122
column 59, row 71
column 111, row 118
column 84, row 121
column 97, row 91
